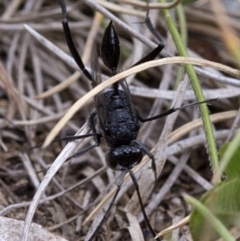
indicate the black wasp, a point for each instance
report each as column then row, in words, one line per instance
column 117, row 118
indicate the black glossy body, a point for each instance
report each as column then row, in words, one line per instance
column 118, row 121
column 110, row 48
column 119, row 126
column 117, row 118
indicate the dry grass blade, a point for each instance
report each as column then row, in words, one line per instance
column 151, row 5
column 63, row 156
column 134, row 228
column 117, row 8
column 170, row 94
column 173, row 227
column 16, row 101
column 151, row 64
column 228, row 33
column 52, row 47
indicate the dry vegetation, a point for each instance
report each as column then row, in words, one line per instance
column 28, row 69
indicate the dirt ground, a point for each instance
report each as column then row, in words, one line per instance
column 33, row 100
